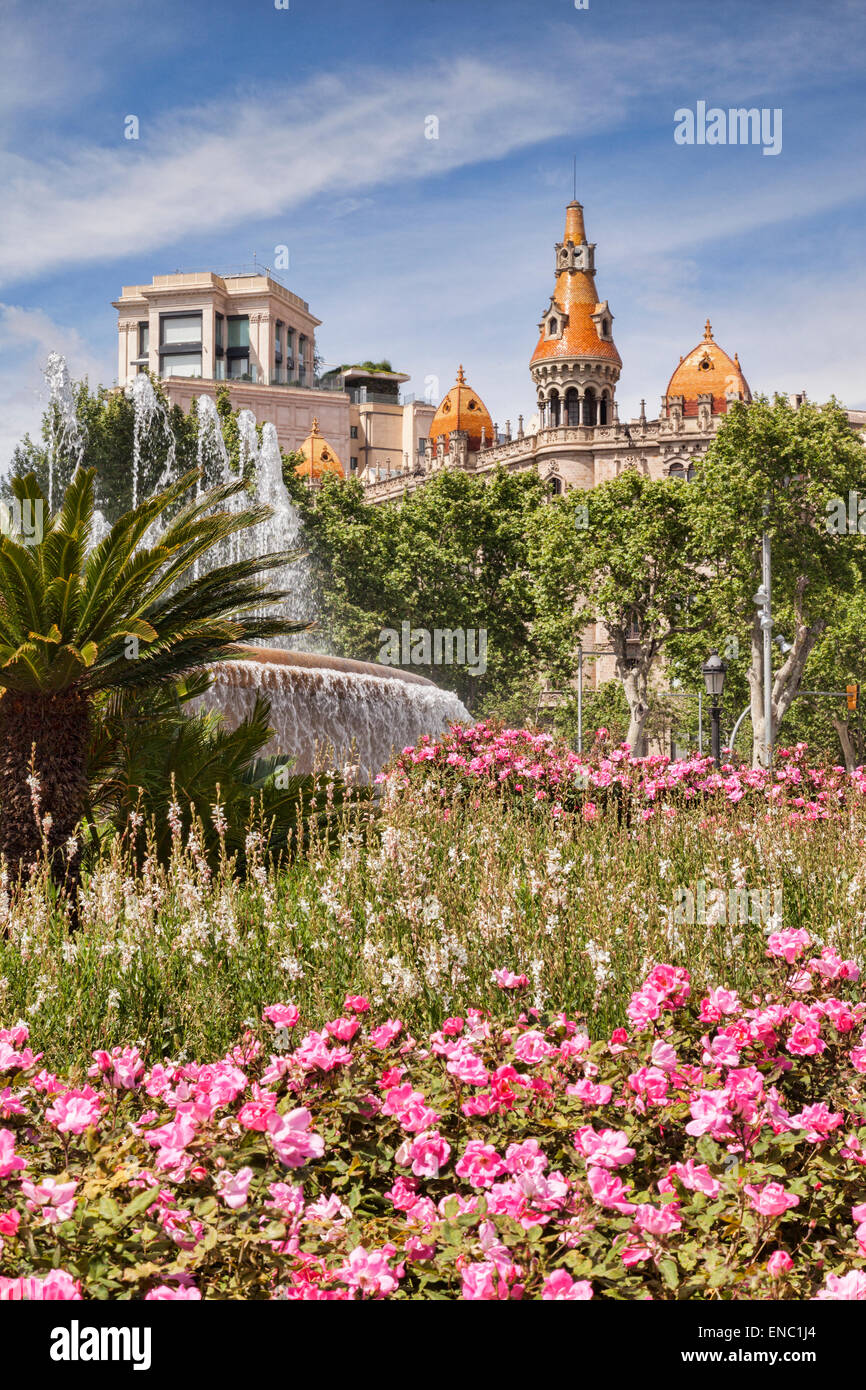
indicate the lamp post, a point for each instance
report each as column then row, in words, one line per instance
column 713, row 672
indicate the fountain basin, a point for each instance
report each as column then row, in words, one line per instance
column 327, row 711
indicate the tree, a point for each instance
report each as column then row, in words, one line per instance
column 452, row 557
column 838, row 659
column 622, row 555
column 784, row 471
column 76, row 621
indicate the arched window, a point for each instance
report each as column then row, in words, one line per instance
column 677, row 470
column 572, row 406
column 553, row 327
column 604, row 410
column 554, row 487
column 554, row 408
column 589, row 407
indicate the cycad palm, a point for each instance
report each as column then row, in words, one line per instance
column 75, row 621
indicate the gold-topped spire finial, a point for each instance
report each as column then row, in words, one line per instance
column 314, row 429
column 461, row 379
column 708, row 332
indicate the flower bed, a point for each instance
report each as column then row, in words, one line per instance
column 536, row 766
column 716, row 1148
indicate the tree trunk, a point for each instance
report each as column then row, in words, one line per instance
column 786, row 681
column 53, row 732
column 635, row 688
column 844, row 734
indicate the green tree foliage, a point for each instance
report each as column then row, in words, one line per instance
column 622, row 555
column 782, row 470
column 453, row 555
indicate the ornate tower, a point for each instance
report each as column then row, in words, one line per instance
column 575, row 366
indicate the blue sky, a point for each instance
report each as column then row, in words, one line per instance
column 306, row 127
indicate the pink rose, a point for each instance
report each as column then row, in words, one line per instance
column 559, row 1287
column 75, row 1111
column 772, row 1199
column 427, row 1153
column 293, row 1143
column 282, row 1015
column 10, row 1162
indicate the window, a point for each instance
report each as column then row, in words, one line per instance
column 182, row 364
column 555, row 487
column 220, row 369
column 239, row 368
column 353, row 431
column 278, row 341
column 219, row 334
column 353, row 463
column 553, row 326
column 143, row 338
column 176, row 329
column 239, row 331
column 180, row 344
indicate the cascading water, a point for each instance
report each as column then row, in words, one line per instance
column 336, row 714
column 65, row 432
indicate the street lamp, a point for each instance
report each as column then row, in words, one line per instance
column 713, row 672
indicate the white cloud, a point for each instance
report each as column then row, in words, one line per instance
column 215, row 166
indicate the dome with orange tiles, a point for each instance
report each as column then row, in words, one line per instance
column 462, row 409
column 708, row 370
column 319, row 457
column 576, row 323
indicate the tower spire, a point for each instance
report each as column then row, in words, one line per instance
column 575, row 365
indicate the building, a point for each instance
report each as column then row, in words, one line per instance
column 387, row 431
column 319, row 458
column 576, row 439
column 199, row 331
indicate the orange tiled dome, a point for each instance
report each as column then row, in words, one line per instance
column 577, row 297
column 708, row 368
column 319, row 457
column 462, row 409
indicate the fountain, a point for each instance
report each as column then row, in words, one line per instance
column 329, row 711
column 65, row 431
column 148, row 409
column 325, row 710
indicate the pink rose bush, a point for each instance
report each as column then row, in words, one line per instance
column 715, row 1147
column 540, row 769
